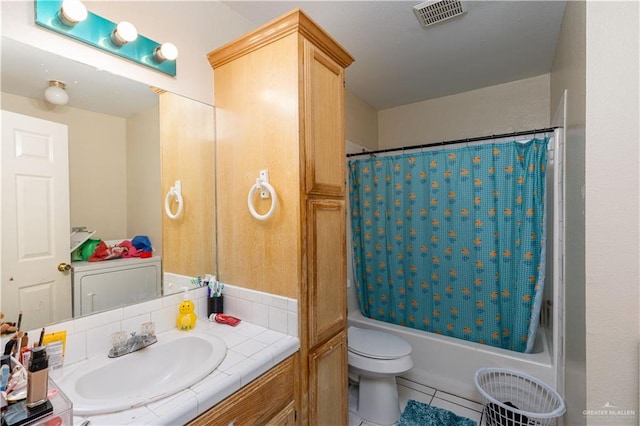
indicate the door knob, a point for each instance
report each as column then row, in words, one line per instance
column 64, row 267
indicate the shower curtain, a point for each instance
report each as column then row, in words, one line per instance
column 452, row 241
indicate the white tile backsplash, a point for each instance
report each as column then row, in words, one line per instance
column 89, row 336
column 292, row 323
column 99, row 338
column 278, row 320
column 142, row 308
column 260, row 314
column 275, row 301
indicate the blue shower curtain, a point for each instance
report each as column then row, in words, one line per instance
column 452, row 241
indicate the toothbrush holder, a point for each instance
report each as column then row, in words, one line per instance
column 215, row 305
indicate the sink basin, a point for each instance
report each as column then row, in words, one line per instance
column 177, row 361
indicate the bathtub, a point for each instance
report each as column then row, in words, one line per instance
column 448, row 364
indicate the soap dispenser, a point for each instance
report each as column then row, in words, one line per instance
column 186, row 316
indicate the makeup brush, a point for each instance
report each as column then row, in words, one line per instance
column 41, row 337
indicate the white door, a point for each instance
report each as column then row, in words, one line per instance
column 34, row 220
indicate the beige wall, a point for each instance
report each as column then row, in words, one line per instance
column 361, row 121
column 509, row 107
column 568, row 72
column 97, row 164
column 612, row 214
column 144, row 195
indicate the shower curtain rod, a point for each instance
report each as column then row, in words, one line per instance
column 457, row 141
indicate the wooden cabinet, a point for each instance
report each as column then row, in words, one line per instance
column 286, row 417
column 269, row 400
column 279, row 103
column 328, row 375
column 324, row 123
column 326, row 269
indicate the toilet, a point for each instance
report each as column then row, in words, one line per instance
column 375, row 359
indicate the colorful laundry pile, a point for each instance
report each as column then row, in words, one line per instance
column 98, row 250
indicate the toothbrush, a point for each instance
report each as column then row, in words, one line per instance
column 196, row 282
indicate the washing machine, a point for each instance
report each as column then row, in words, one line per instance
column 109, row 284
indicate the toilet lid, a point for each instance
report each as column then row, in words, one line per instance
column 376, row 344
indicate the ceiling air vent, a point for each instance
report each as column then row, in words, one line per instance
column 431, row 12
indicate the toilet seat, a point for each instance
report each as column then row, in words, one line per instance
column 376, row 344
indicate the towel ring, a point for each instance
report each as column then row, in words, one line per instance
column 259, row 185
column 175, row 192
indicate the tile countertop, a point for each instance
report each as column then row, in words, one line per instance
column 252, row 350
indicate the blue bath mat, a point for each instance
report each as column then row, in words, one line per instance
column 419, row 414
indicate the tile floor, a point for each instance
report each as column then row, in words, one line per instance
column 411, row 390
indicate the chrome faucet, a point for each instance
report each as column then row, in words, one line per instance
column 123, row 345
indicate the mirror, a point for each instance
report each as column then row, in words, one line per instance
column 115, row 183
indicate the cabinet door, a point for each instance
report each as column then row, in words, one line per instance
column 328, row 383
column 326, row 269
column 324, row 123
column 268, row 397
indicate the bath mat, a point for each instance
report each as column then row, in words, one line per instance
column 419, row 414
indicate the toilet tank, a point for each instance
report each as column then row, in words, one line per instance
column 98, row 286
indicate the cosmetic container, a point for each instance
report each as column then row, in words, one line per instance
column 37, row 377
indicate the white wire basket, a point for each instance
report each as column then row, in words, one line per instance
column 511, row 398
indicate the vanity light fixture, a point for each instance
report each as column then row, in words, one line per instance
column 72, row 12
column 165, row 52
column 124, row 33
column 55, row 93
column 71, row 18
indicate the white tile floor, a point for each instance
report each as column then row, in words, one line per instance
column 411, row 390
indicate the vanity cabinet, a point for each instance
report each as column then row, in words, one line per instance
column 268, row 400
column 279, row 96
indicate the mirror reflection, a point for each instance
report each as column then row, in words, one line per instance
column 115, row 192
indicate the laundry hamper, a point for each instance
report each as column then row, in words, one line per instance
column 511, row 398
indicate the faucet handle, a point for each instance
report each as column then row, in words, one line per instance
column 119, row 340
column 148, row 328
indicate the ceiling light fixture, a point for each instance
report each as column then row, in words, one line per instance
column 72, row 12
column 124, row 33
column 55, row 93
column 165, row 52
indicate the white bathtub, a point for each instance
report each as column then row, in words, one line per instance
column 448, row 364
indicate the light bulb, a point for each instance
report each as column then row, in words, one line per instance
column 124, row 33
column 72, row 12
column 55, row 93
column 166, row 52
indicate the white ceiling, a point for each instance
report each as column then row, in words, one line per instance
column 26, row 70
column 397, row 62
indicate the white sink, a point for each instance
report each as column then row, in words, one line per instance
column 177, row 361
